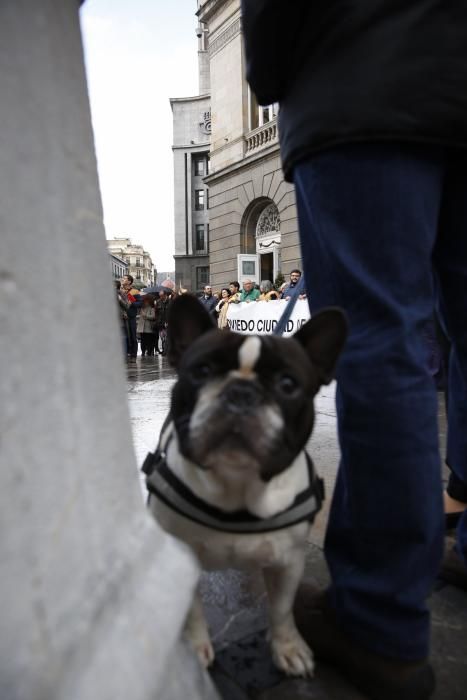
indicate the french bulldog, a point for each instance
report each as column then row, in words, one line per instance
column 231, row 477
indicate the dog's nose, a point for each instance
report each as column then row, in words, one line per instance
column 242, row 396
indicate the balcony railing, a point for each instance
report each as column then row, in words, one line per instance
column 261, row 137
column 202, row 251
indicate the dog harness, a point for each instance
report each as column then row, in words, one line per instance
column 163, row 484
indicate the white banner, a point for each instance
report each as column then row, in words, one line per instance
column 261, row 317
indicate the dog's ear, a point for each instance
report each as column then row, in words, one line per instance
column 187, row 320
column 323, row 338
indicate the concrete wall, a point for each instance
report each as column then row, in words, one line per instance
column 93, row 593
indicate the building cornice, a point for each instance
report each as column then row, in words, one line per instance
column 223, row 38
column 226, row 172
column 195, row 98
column 209, row 9
column 192, row 147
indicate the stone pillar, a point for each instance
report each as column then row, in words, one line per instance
column 93, row 595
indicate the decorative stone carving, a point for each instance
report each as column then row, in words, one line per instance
column 269, row 222
column 225, row 37
column 205, row 123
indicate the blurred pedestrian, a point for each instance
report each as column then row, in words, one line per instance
column 162, row 308
column 134, row 300
column 208, row 300
column 222, row 308
column 123, row 305
column 146, row 326
column 267, row 291
column 287, row 289
column 249, row 292
column 234, row 288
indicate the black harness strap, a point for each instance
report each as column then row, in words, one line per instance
column 162, row 483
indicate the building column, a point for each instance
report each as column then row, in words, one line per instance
column 93, row 594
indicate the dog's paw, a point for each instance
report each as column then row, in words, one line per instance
column 203, row 649
column 292, row 655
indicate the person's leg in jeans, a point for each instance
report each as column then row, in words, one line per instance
column 368, row 217
column 132, row 339
column 450, row 262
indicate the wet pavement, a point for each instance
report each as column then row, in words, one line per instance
column 235, row 602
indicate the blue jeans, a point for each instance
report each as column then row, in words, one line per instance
column 376, row 220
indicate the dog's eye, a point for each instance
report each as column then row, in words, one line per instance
column 287, row 384
column 200, row 372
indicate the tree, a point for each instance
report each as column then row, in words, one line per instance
column 280, row 279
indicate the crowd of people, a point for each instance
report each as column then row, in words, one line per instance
column 143, row 317
column 217, row 302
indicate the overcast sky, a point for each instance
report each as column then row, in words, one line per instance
column 138, row 54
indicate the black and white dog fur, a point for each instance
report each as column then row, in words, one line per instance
column 241, row 414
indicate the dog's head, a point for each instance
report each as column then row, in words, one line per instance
column 244, row 404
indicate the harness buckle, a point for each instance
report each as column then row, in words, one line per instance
column 152, row 461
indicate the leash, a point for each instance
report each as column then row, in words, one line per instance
column 286, row 314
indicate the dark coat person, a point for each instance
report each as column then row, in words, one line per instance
column 373, row 133
column 209, row 301
column 359, row 72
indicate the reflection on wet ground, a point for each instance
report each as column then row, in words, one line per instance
column 235, row 602
column 150, row 381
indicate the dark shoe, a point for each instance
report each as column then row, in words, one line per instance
column 378, row 677
column 453, row 569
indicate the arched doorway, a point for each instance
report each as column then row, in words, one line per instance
column 261, row 242
column 268, row 242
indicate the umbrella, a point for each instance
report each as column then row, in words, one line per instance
column 169, row 283
column 158, row 288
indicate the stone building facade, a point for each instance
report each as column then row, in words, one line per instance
column 139, row 261
column 192, row 128
column 118, row 266
column 252, row 212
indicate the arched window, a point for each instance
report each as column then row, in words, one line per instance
column 269, row 222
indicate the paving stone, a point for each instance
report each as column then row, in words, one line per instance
column 326, row 685
column 249, row 662
column 234, row 603
column 226, row 686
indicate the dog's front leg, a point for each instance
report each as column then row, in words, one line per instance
column 196, row 631
column 290, row 652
